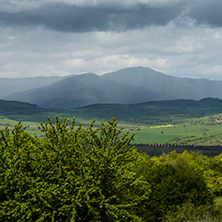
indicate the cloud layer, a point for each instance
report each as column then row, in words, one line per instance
column 55, row 37
column 101, row 17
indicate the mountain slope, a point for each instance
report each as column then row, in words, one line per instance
column 155, row 111
column 13, row 85
column 82, row 90
column 169, row 87
column 16, row 108
column 126, row 86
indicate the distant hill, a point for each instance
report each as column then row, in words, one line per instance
column 13, row 85
column 155, row 111
column 126, row 86
column 17, row 108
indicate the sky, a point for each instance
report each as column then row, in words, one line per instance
column 61, row 37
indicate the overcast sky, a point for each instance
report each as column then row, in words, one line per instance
column 62, row 37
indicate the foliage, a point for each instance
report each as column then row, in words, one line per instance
column 190, row 212
column 209, row 167
column 214, row 174
column 173, row 181
column 71, row 174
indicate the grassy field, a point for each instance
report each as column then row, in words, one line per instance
column 181, row 134
column 33, row 121
column 198, row 131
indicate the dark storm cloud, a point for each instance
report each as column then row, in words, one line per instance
column 207, row 12
column 72, row 18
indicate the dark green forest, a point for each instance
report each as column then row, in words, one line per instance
column 72, row 173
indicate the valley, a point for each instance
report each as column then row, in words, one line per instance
column 158, row 108
column 158, row 126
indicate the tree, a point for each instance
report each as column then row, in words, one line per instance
column 173, row 182
column 71, row 174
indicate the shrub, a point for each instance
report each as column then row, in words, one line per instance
column 190, row 212
column 71, row 174
column 173, row 184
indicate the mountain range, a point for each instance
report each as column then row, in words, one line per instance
column 126, row 86
column 14, row 85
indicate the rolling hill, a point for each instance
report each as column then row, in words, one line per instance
column 154, row 112
column 126, row 86
column 18, row 108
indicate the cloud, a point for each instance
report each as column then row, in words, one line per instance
column 86, row 18
column 99, row 15
column 61, row 37
column 184, row 51
column 108, row 62
column 207, row 12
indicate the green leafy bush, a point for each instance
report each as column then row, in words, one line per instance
column 190, row 212
column 71, row 174
column 209, row 167
column 173, row 183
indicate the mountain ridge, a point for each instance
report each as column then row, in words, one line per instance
column 153, row 112
column 13, row 85
column 126, row 86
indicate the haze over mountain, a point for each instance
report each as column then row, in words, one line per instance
column 166, row 86
column 13, row 85
column 126, row 86
column 82, row 90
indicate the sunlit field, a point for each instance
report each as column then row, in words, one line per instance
column 200, row 131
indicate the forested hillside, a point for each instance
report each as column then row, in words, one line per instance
column 16, row 108
column 155, row 112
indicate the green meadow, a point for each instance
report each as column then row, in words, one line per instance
column 197, row 131
column 185, row 133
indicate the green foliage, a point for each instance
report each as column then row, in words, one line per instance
column 190, row 212
column 173, row 181
column 90, row 174
column 214, row 174
column 209, row 167
column 71, row 174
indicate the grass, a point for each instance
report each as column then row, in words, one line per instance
column 182, row 134
column 196, row 131
column 202, row 131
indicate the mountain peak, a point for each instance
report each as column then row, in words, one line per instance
column 126, row 86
